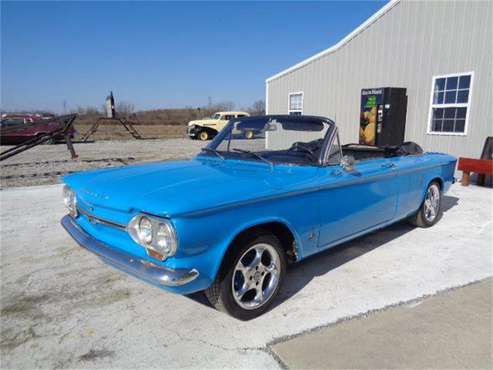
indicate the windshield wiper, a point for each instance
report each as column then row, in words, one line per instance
column 254, row 155
column 210, row 150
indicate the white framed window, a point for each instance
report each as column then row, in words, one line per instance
column 450, row 104
column 295, row 103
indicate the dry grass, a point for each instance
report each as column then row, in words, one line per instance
column 118, row 132
column 155, row 124
column 168, row 117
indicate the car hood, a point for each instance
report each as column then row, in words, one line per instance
column 182, row 187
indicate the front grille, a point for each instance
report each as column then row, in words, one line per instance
column 98, row 220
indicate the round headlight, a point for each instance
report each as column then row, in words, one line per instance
column 70, row 200
column 156, row 235
column 165, row 242
column 145, row 230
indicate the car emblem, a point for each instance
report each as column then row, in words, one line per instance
column 96, row 195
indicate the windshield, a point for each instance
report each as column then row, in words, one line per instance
column 273, row 139
column 12, row 122
column 215, row 116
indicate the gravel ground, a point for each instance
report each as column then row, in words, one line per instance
column 61, row 307
column 45, row 163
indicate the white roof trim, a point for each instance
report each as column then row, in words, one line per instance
column 345, row 40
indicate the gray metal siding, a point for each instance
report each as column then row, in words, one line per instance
column 405, row 47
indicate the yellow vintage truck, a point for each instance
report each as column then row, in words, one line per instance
column 206, row 128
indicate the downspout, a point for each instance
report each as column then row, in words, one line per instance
column 266, row 97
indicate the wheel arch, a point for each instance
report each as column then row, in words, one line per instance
column 279, row 228
column 433, row 179
column 210, row 130
column 437, row 179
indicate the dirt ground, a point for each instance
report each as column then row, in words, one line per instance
column 118, row 132
column 45, row 164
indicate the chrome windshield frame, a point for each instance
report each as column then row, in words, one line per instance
column 327, row 140
column 328, row 145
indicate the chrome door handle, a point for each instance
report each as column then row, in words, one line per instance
column 389, row 165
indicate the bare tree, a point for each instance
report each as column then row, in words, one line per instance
column 257, row 108
column 92, row 111
column 223, row 106
column 124, row 108
column 87, row 111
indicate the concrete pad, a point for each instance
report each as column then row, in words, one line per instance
column 451, row 330
column 62, row 307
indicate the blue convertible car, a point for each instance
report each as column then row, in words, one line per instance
column 228, row 221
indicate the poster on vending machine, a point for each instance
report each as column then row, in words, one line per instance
column 370, row 100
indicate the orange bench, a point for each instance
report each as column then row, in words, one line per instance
column 479, row 166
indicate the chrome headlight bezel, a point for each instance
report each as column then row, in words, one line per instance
column 163, row 242
column 70, row 201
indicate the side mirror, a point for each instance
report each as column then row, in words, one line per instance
column 347, row 163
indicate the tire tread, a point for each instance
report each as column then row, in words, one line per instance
column 214, row 292
column 418, row 219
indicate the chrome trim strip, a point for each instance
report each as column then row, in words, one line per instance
column 324, row 153
column 145, row 270
column 97, row 220
column 353, row 180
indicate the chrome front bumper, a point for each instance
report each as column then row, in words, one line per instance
column 192, row 131
column 140, row 268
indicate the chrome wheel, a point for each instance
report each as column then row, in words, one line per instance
column 256, row 276
column 432, row 203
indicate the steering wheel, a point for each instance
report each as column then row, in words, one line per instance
column 302, row 147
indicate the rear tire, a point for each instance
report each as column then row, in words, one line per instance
column 430, row 210
column 250, row 277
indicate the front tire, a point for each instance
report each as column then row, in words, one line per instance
column 250, row 278
column 431, row 209
column 203, row 135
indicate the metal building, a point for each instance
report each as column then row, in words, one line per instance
column 440, row 51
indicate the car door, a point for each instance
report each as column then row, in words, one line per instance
column 223, row 120
column 411, row 183
column 352, row 202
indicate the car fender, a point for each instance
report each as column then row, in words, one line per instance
column 228, row 242
column 444, row 174
column 208, row 127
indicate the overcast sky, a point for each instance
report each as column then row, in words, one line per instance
column 159, row 54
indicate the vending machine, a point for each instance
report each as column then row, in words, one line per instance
column 383, row 116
